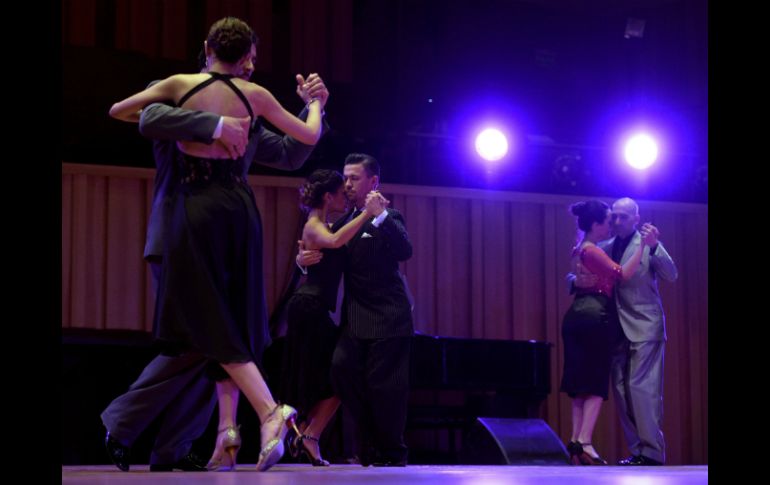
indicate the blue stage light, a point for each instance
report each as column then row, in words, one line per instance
column 641, row 151
column 491, row 144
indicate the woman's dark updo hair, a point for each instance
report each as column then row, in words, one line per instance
column 589, row 212
column 230, row 39
column 319, row 183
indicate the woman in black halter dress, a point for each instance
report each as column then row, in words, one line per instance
column 312, row 335
column 211, row 295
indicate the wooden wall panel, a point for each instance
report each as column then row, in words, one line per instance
column 486, row 264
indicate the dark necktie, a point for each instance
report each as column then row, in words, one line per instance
column 616, row 254
column 619, row 247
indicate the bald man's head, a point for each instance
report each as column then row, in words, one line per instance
column 625, row 217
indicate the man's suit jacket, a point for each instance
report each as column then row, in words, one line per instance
column 376, row 302
column 638, row 301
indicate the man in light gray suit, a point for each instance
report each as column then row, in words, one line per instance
column 637, row 361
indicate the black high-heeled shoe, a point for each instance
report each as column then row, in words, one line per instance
column 297, row 447
column 575, row 449
column 586, row 459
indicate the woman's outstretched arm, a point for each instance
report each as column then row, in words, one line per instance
column 307, row 132
column 130, row 108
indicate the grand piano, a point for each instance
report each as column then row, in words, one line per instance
column 455, row 380
column 478, row 364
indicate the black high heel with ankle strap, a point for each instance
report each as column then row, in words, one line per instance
column 586, row 459
column 297, row 447
column 575, row 450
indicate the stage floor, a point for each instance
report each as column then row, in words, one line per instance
column 412, row 475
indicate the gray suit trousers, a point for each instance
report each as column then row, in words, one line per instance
column 637, row 386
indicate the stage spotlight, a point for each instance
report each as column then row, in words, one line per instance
column 491, row 144
column 641, row 151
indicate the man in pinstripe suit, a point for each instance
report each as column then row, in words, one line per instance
column 370, row 367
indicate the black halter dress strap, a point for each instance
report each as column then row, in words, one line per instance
column 215, row 76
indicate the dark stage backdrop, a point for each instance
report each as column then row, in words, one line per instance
column 411, row 79
column 486, row 264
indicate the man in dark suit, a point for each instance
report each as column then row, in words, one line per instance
column 370, row 366
column 175, row 385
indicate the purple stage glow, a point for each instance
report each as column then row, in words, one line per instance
column 641, row 151
column 491, row 144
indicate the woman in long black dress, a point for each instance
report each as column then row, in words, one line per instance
column 312, row 335
column 212, row 296
column 586, row 329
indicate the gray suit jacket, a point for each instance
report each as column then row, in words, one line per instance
column 639, row 306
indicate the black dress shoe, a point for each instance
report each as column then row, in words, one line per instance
column 189, row 463
column 630, row 461
column 119, row 454
column 639, row 460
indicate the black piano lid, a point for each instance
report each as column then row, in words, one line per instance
column 480, row 364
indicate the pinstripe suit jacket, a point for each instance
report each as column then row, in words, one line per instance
column 375, row 304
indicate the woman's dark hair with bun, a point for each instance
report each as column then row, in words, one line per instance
column 588, row 212
column 320, row 182
column 230, row 38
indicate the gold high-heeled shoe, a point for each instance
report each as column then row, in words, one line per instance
column 272, row 432
column 229, row 440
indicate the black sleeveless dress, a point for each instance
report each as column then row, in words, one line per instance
column 311, row 335
column 587, row 329
column 211, row 297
